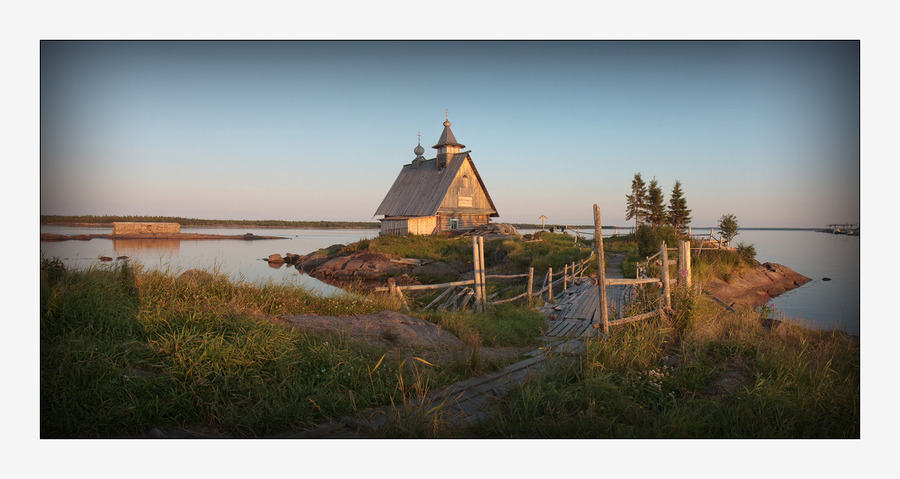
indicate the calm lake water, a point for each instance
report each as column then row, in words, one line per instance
column 820, row 304
column 242, row 261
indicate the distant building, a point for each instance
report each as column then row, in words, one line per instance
column 137, row 228
column 442, row 195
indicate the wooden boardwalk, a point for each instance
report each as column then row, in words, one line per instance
column 570, row 319
column 575, row 309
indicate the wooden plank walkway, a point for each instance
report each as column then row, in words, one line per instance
column 576, row 309
column 458, row 405
column 570, row 319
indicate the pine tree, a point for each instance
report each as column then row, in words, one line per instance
column 636, row 204
column 656, row 208
column 679, row 214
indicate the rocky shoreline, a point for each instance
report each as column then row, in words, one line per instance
column 756, row 287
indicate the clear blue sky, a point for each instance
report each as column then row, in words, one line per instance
column 768, row 131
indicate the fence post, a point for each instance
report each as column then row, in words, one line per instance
column 550, row 284
column 476, row 261
column 664, row 256
column 483, row 280
column 601, row 272
column 684, row 262
column 392, row 288
column 565, row 277
column 530, row 282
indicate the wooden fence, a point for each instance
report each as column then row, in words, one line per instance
column 458, row 294
column 665, row 281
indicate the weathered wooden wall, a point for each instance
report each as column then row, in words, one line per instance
column 465, row 194
column 403, row 226
column 129, row 228
column 466, row 221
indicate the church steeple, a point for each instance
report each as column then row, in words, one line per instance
column 446, row 146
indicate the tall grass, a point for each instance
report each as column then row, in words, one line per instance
column 703, row 373
column 125, row 350
column 722, row 264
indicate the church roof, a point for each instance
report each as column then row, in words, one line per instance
column 447, row 138
column 420, row 191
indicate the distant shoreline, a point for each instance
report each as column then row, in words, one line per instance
column 327, row 225
column 225, row 225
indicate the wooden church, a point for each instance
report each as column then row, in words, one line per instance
column 442, row 195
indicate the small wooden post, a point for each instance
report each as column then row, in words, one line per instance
column 565, row 277
column 396, row 294
column 687, row 262
column 601, row 272
column 476, row 261
column 482, row 279
column 530, row 282
column 392, row 288
column 550, row 284
column 664, row 256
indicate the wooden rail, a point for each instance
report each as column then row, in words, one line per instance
column 665, row 302
column 459, row 293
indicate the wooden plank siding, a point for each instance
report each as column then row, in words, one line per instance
column 465, row 221
column 402, row 226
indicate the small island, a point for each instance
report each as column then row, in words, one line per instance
column 151, row 230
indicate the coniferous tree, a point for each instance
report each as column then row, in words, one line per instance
column 679, row 214
column 636, row 204
column 656, row 208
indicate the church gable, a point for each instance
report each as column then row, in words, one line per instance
column 466, row 194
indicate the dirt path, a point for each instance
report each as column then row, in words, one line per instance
column 614, row 265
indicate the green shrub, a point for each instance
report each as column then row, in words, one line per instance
column 650, row 238
column 747, row 252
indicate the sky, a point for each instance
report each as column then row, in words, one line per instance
column 318, row 130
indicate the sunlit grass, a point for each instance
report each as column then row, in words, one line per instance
column 124, row 351
column 713, row 374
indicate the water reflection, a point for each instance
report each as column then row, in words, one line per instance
column 130, row 247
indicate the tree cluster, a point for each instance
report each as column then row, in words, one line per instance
column 646, row 205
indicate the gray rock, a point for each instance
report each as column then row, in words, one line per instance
column 363, row 265
column 435, row 269
column 383, row 328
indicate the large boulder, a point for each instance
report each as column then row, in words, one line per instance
column 311, row 262
column 437, row 269
column 363, row 265
column 382, row 328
